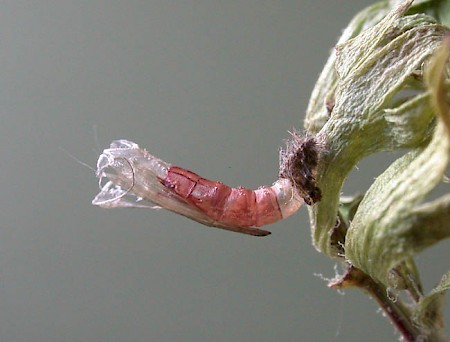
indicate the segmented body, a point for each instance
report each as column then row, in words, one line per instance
column 137, row 179
column 231, row 206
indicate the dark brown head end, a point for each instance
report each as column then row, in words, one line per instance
column 299, row 161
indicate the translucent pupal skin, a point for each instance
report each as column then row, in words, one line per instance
column 138, row 179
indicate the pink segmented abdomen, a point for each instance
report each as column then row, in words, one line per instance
column 231, row 206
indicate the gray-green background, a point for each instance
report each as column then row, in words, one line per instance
column 209, row 85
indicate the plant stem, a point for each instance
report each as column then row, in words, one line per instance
column 395, row 309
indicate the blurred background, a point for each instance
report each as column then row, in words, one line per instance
column 212, row 86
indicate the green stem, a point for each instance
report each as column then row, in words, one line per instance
column 396, row 310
